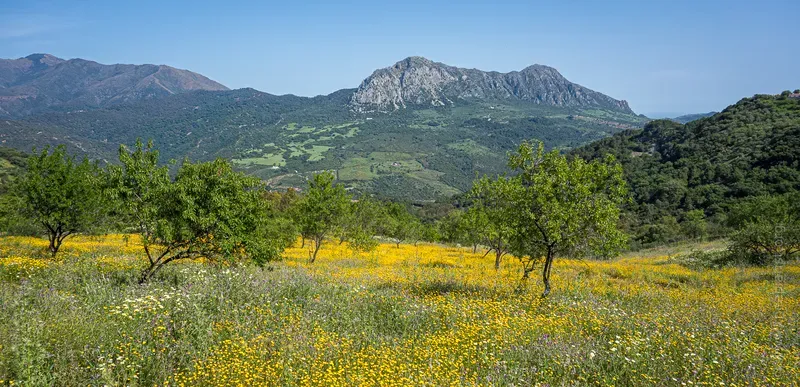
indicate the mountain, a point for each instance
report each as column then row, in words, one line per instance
column 692, row 117
column 421, row 152
column 422, row 82
column 42, row 82
column 751, row 148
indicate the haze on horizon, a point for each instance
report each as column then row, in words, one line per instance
column 661, row 56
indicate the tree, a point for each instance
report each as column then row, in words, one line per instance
column 458, row 227
column 402, row 225
column 138, row 187
column 449, row 229
column 493, row 204
column 768, row 229
column 281, row 207
column 321, row 210
column 563, row 207
column 361, row 222
column 61, row 196
column 208, row 211
column 694, row 224
column 472, row 224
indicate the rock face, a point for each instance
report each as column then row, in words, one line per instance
column 40, row 82
column 419, row 81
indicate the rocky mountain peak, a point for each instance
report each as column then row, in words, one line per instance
column 422, row 82
column 413, row 61
column 44, row 59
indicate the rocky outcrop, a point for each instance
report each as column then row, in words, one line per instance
column 419, row 81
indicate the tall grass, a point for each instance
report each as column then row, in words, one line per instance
column 424, row 315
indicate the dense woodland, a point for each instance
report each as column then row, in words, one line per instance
column 687, row 176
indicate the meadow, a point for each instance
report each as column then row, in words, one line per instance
column 413, row 315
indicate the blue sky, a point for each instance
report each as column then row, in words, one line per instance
column 662, row 56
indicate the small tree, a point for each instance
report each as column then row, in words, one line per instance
column 472, row 224
column 402, row 225
column 61, row 196
column 321, row 210
column 768, row 229
column 281, row 207
column 207, row 211
column 563, row 207
column 361, row 223
column 493, row 204
column 138, row 187
column 694, row 224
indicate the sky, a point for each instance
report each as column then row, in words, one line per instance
column 663, row 57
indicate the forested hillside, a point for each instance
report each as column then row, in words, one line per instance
column 12, row 163
column 750, row 149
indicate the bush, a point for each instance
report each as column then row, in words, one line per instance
column 704, row 259
column 768, row 229
column 764, row 242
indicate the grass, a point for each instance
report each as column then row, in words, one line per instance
column 266, row 160
column 377, row 163
column 471, row 147
column 414, row 315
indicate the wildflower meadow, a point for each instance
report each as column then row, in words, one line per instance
column 408, row 315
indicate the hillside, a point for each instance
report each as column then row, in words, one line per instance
column 751, row 148
column 42, row 82
column 421, row 152
column 686, row 118
column 12, row 163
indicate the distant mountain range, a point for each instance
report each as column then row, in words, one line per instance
column 417, row 130
column 692, row 117
column 42, row 82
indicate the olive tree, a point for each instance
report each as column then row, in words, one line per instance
column 321, row 210
column 207, row 211
column 493, row 204
column 61, row 196
column 401, row 225
column 360, row 223
column 563, row 206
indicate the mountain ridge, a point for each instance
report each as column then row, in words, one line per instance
column 686, row 118
column 420, row 81
column 43, row 82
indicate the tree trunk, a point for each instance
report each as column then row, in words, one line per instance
column 53, row 248
column 548, row 263
column 56, row 239
column 303, row 242
column 147, row 273
column 474, row 248
column 397, row 244
column 317, row 244
column 497, row 255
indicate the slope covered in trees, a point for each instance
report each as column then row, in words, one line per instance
column 693, row 173
column 12, row 163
